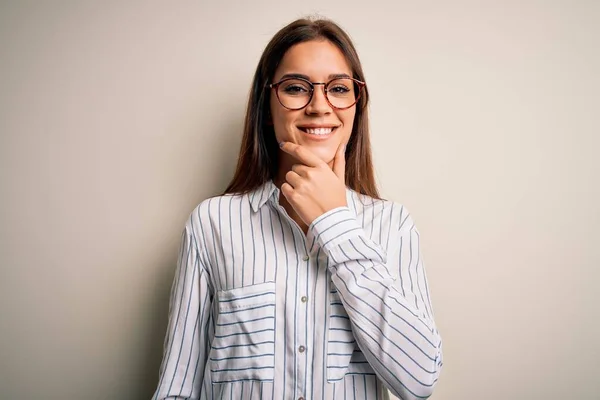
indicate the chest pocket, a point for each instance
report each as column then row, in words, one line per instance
column 341, row 343
column 243, row 347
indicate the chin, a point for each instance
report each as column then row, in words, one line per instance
column 325, row 154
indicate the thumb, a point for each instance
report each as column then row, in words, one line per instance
column 339, row 162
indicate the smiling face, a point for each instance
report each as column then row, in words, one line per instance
column 318, row 126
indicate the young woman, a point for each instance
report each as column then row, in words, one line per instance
column 300, row 282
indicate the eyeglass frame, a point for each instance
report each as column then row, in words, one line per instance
column 361, row 86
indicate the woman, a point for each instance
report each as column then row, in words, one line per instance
column 300, row 282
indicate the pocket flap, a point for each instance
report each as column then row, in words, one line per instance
column 246, row 297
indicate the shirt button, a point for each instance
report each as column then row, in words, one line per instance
column 305, row 258
column 301, row 349
column 304, row 299
column 300, row 398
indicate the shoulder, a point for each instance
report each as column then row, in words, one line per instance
column 216, row 211
column 387, row 210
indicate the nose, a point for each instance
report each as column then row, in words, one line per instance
column 318, row 104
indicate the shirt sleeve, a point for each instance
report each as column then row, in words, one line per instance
column 387, row 300
column 185, row 346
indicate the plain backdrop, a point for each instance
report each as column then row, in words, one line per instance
column 118, row 117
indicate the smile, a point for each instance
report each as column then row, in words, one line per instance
column 318, row 131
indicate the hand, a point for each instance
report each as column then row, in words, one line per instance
column 313, row 188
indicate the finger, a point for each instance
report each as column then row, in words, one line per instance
column 287, row 191
column 339, row 162
column 293, row 179
column 301, row 170
column 302, row 154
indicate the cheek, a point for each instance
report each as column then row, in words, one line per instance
column 277, row 120
column 277, row 112
column 280, row 122
column 284, row 121
column 347, row 119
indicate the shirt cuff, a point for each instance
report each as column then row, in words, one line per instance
column 333, row 228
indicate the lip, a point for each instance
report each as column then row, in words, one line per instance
column 316, row 126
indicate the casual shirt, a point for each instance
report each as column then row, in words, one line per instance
column 260, row 310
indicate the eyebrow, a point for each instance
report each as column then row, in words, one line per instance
column 332, row 76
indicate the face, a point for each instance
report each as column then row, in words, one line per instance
column 318, row 126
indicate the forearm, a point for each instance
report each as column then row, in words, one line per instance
column 185, row 349
column 396, row 335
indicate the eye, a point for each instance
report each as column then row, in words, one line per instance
column 295, row 89
column 339, row 89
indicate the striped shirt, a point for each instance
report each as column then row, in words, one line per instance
column 259, row 310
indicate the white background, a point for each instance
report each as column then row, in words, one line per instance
column 118, row 117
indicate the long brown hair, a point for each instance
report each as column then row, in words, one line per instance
column 259, row 152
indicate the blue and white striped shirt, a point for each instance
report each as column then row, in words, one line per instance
column 259, row 310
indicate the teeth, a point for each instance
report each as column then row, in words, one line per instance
column 319, row 131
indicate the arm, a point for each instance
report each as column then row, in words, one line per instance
column 185, row 347
column 391, row 320
column 387, row 300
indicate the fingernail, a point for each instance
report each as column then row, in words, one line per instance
column 281, row 144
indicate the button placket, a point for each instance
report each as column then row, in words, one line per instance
column 305, row 275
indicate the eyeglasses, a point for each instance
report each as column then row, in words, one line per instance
column 297, row 93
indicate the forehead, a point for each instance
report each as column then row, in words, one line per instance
column 317, row 59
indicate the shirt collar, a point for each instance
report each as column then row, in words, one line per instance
column 260, row 195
